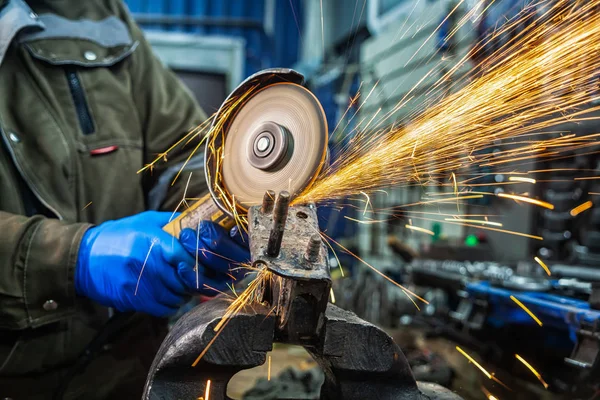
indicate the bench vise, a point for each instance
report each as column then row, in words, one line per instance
column 360, row 361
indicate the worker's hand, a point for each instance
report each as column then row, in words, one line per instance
column 131, row 264
column 219, row 255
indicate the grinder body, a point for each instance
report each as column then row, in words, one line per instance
column 245, row 120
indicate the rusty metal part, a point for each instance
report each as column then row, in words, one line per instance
column 268, row 201
column 313, row 250
column 360, row 361
column 301, row 295
column 279, row 217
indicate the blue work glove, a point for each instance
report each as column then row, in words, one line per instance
column 112, row 256
column 219, row 255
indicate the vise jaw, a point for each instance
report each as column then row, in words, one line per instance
column 359, row 360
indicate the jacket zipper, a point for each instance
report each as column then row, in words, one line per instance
column 33, row 189
column 81, row 106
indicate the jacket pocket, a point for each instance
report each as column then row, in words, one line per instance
column 90, row 55
column 84, row 68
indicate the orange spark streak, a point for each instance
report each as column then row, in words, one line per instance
column 527, row 310
column 526, row 199
column 474, row 221
column 334, row 253
column 537, row 374
column 581, row 208
column 542, row 78
column 521, row 179
column 269, row 369
column 543, row 265
column 332, row 296
column 207, row 391
column 499, row 230
column 488, row 394
column 86, row 206
column 471, row 359
column 411, row 299
column 369, row 222
column 418, row 228
column 377, row 271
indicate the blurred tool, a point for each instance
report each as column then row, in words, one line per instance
column 270, row 133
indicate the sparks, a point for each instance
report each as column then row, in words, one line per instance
column 474, row 221
column 537, row 374
column 154, row 241
column 419, row 229
column 207, row 391
column 488, row 394
column 543, row 265
column 375, row 269
column 332, row 295
column 521, row 179
column 367, row 203
column 472, row 360
column 269, row 368
column 526, row 199
column 86, row 206
column 527, row 310
column 247, row 297
column 516, row 98
column 411, row 299
column 581, row 208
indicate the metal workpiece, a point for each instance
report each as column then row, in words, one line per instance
column 268, row 201
column 313, row 250
column 300, row 224
column 360, row 361
column 301, row 289
column 279, row 217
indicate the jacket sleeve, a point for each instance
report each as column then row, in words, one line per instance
column 168, row 111
column 37, row 288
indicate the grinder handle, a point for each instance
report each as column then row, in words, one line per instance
column 205, row 209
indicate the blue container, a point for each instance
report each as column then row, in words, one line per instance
column 270, row 41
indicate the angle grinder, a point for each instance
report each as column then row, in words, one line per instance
column 269, row 134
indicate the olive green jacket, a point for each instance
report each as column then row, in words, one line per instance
column 84, row 104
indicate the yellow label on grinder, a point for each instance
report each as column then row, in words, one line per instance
column 204, row 209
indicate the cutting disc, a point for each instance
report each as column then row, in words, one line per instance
column 276, row 141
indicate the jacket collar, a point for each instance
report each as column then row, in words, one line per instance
column 15, row 16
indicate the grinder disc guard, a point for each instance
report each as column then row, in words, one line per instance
column 277, row 140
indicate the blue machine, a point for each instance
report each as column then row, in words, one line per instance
column 485, row 315
column 565, row 315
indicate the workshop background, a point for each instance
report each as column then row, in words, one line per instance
column 347, row 48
